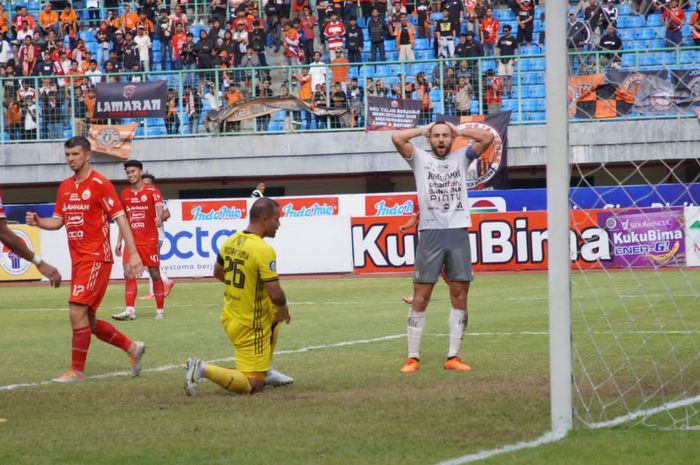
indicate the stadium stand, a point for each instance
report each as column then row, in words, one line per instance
column 45, row 97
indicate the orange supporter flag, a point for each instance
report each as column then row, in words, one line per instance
column 112, row 140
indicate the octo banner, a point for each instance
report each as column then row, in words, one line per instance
column 14, row 268
column 498, row 241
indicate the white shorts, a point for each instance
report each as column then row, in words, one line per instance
column 505, row 69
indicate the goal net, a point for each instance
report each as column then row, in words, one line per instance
column 635, row 298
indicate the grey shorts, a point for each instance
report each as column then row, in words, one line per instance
column 443, row 247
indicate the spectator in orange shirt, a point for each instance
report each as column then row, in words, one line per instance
column 305, row 93
column 48, row 20
column 129, row 20
column 68, row 24
column 172, row 122
column 232, row 96
column 340, row 72
column 147, row 24
column 14, row 119
column 695, row 25
column 74, row 71
column 4, row 19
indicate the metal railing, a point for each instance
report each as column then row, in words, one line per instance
column 58, row 106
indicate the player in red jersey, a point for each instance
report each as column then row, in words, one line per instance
column 84, row 204
column 144, row 209
column 16, row 246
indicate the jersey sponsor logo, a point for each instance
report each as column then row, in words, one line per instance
column 273, row 266
column 72, row 207
column 310, row 206
column 74, row 197
column 136, row 215
column 214, row 210
column 391, row 205
column 74, row 219
column 12, row 263
column 75, row 235
column 138, row 225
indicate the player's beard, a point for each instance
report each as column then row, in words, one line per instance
column 441, row 153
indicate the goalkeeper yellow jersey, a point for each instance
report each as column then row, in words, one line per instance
column 248, row 262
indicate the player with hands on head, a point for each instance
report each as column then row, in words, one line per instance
column 254, row 305
column 85, row 203
column 18, row 247
column 441, row 183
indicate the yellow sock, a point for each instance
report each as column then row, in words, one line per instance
column 229, row 379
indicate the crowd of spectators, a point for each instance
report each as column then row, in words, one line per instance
column 221, row 42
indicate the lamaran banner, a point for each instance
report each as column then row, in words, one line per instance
column 131, row 100
column 12, row 266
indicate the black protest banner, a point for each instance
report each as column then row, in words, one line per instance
column 131, row 100
column 387, row 114
column 490, row 169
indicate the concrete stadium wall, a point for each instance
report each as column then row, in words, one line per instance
column 349, row 152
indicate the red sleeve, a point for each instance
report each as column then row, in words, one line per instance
column 58, row 207
column 109, row 201
column 157, row 197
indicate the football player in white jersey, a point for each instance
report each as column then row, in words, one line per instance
column 441, row 183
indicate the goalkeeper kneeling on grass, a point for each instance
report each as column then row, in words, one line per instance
column 254, row 305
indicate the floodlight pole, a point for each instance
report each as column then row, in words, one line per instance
column 559, row 274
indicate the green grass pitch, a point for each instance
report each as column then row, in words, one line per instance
column 349, row 404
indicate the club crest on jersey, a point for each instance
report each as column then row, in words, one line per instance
column 143, row 198
column 86, row 194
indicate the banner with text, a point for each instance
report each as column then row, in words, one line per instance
column 385, row 114
column 498, row 241
column 131, row 99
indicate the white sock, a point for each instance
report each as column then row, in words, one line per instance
column 131, row 310
column 201, row 370
column 457, row 324
column 164, row 277
column 415, row 326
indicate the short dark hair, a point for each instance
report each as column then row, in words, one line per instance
column 264, row 206
column 78, row 141
column 130, row 163
column 148, row 175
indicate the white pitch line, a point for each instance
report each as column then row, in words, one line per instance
column 12, row 387
column 546, row 438
column 645, row 413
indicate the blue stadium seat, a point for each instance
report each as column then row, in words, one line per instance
column 624, row 9
column 362, row 22
column 529, row 105
column 530, row 50
column 688, row 57
column 280, row 116
column 537, row 64
column 524, row 64
column 636, row 22
column 474, row 107
column 435, row 17
column 504, row 14
column 541, row 105
column 390, row 45
column 529, row 78
column 539, row 116
column 537, row 91
column 623, row 22
column 654, row 20
column 422, row 44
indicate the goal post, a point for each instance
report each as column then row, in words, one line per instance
column 558, row 175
